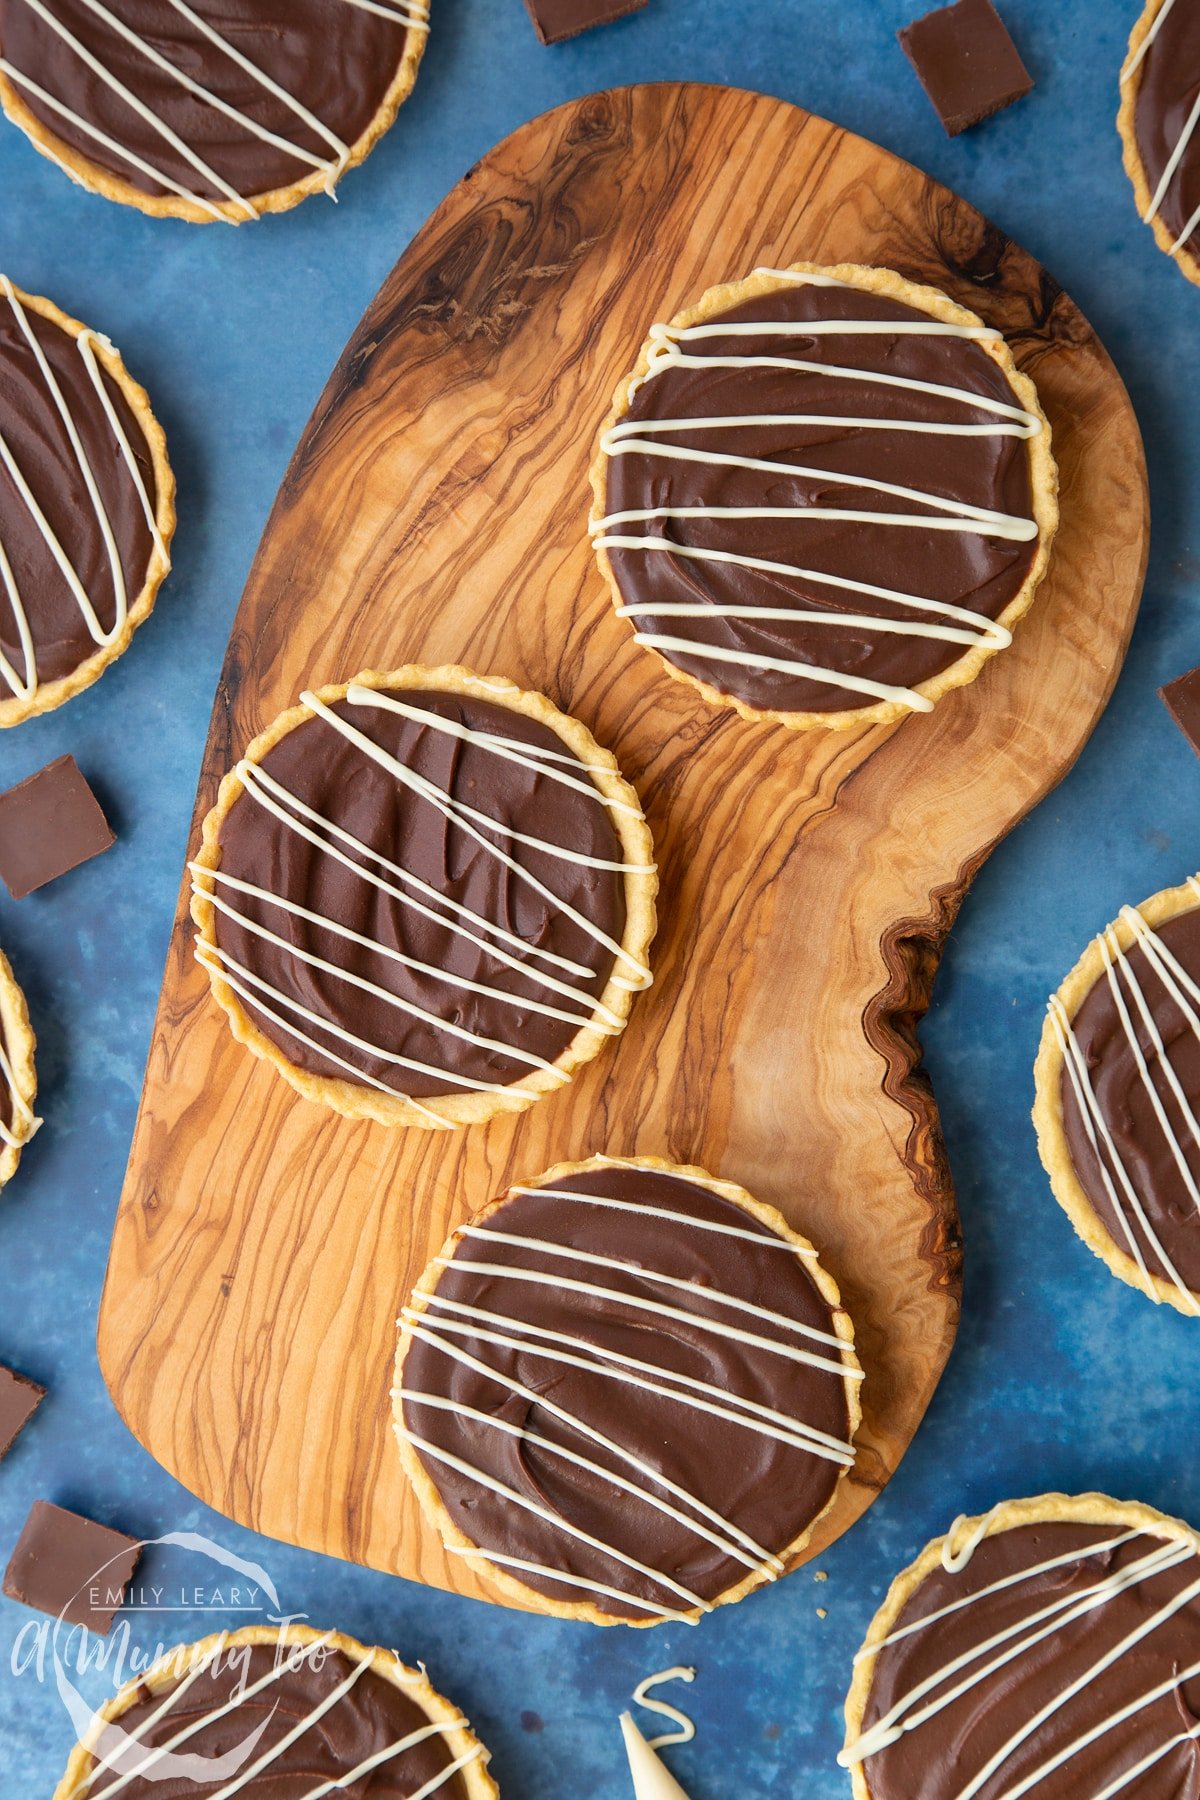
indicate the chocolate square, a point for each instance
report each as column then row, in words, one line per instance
column 70, row 1567
column 966, row 62
column 555, row 20
column 49, row 823
column 19, row 1400
column 1181, row 698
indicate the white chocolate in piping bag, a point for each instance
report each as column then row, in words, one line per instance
column 651, row 1780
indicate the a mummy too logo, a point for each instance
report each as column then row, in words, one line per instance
column 200, row 1577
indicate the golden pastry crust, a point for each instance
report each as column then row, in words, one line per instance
column 88, row 174
column 1042, row 1509
column 1131, row 153
column 1043, row 475
column 47, row 695
column 178, row 1662
column 19, row 1043
column 426, row 1490
column 355, row 1100
column 1048, row 1107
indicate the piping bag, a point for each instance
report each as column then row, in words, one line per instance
column 651, row 1778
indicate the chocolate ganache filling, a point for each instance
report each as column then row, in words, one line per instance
column 275, row 1691
column 242, row 98
column 1090, row 1687
column 1168, row 78
column 622, row 1334
column 1132, row 1142
column 745, row 453
column 49, row 516
column 397, row 923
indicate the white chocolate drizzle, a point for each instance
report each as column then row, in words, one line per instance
column 539, row 756
column 466, row 818
column 412, row 14
column 436, row 1453
column 702, row 1396
column 954, row 1561
column 439, row 1403
column 1127, row 1204
column 956, row 1556
column 942, row 621
column 762, row 1239
column 1187, row 132
column 685, row 1728
column 542, row 1247
column 1135, row 61
column 1123, row 1782
column 440, row 1320
column 123, row 1741
column 583, row 1010
column 24, row 1121
column 994, row 1655
column 23, row 685
column 124, row 1738
column 583, row 1583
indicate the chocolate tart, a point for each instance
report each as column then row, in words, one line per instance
column 278, row 1679
column 425, row 897
column 1116, row 1615
column 18, row 1077
column 1158, row 127
column 188, row 109
column 87, row 505
column 768, row 436
column 626, row 1392
column 1118, row 1096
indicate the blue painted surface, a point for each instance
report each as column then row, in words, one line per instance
column 1061, row 1377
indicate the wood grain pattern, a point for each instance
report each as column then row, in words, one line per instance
column 435, row 511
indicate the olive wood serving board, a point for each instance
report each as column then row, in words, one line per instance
column 435, row 511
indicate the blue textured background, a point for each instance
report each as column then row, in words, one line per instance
column 1061, row 1376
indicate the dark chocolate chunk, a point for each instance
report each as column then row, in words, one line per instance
column 555, row 20
column 70, row 1567
column 19, row 1400
column 49, row 823
column 1181, row 698
column 966, row 62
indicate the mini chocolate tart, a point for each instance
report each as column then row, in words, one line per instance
column 267, row 1712
column 1118, row 1096
column 824, row 496
column 87, row 505
column 190, row 109
column 18, row 1077
column 426, row 897
column 1157, row 122
column 1051, row 1647
column 626, row 1392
